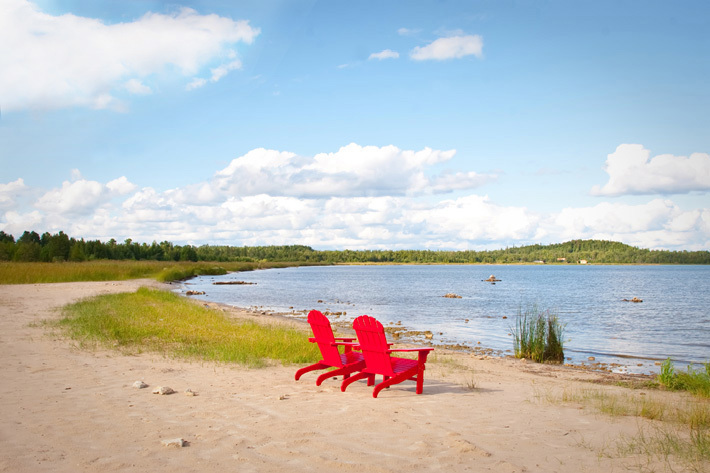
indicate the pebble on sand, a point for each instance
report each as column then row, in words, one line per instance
column 178, row 443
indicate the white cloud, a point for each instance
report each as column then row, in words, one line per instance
column 81, row 197
column 476, row 218
column 385, row 54
column 16, row 222
column 408, row 31
column 196, row 83
column 10, row 191
column 357, row 197
column 68, row 61
column 453, row 47
column 632, row 171
column 120, row 186
column 136, row 87
column 217, row 74
column 657, row 224
column 351, row 171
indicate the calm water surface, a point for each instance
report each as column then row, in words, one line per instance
column 672, row 321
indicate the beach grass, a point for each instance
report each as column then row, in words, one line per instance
column 119, row 270
column 695, row 382
column 537, row 335
column 678, row 430
column 151, row 320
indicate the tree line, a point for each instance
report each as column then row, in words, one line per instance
column 58, row 247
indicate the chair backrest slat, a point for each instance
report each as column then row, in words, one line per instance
column 323, row 334
column 373, row 342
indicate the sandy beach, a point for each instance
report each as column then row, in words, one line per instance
column 65, row 410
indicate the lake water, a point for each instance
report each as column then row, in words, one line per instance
column 672, row 321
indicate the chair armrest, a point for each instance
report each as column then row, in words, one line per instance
column 346, row 339
column 410, row 349
column 312, row 340
column 348, row 346
column 422, row 352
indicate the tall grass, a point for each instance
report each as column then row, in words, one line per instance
column 119, row 270
column 696, row 382
column 537, row 335
column 151, row 320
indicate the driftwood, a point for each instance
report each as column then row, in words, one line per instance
column 218, row 283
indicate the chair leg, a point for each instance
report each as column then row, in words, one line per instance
column 345, row 371
column 317, row 366
column 403, row 376
column 420, row 379
column 347, row 382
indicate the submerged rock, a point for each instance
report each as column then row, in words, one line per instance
column 451, row 295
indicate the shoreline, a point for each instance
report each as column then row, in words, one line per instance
column 67, row 409
column 409, row 337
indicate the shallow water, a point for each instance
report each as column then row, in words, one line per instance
column 672, row 321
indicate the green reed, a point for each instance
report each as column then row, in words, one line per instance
column 537, row 335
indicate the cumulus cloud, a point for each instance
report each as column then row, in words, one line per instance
column 385, row 54
column 339, row 200
column 632, row 171
column 10, row 191
column 81, row 197
column 15, row 223
column 68, row 61
column 659, row 223
column 351, row 171
column 452, row 47
column 476, row 218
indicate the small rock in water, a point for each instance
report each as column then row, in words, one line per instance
column 163, row 390
column 174, row 442
column 591, row 358
column 139, row 385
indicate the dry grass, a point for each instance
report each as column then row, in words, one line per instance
column 673, row 428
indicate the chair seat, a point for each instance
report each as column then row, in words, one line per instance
column 399, row 365
column 350, row 357
column 377, row 353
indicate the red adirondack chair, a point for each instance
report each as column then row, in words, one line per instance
column 378, row 359
column 344, row 363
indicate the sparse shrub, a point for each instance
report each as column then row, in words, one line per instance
column 538, row 335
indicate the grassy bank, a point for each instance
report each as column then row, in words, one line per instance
column 109, row 270
column 162, row 322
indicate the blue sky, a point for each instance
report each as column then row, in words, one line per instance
column 403, row 124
